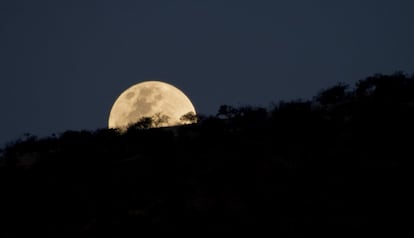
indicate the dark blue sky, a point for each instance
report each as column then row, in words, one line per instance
column 63, row 63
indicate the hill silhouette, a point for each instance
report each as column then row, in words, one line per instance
column 336, row 163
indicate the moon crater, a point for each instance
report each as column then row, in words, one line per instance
column 130, row 95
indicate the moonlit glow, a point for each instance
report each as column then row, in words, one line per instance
column 147, row 99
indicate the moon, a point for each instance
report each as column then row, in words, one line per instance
column 150, row 99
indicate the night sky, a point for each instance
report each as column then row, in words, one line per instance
column 63, row 63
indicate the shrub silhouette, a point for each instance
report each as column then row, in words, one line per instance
column 295, row 168
column 333, row 95
column 189, row 118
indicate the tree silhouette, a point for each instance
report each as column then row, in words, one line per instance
column 143, row 123
column 396, row 87
column 294, row 168
column 159, row 120
column 226, row 111
column 189, row 118
column 333, row 94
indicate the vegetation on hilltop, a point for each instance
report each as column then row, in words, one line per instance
column 336, row 162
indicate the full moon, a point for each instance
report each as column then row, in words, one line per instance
column 153, row 99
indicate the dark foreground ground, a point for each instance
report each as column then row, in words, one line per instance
column 339, row 163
